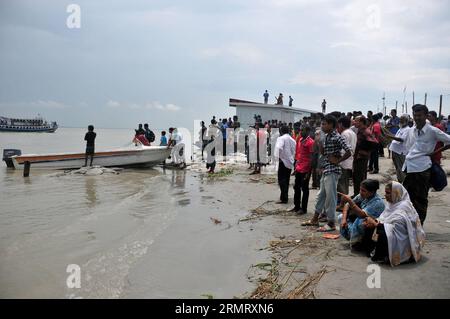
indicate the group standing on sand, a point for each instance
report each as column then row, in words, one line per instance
column 388, row 231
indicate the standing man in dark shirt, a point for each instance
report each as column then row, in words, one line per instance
column 90, row 144
column 140, row 130
column 362, row 154
column 324, row 106
column 149, row 135
column 266, row 97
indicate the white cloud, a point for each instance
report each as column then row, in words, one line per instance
column 163, row 107
column 344, row 45
column 149, row 106
column 386, row 79
column 242, row 52
column 39, row 104
column 113, row 104
column 290, row 4
column 172, row 107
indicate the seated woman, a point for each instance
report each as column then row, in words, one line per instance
column 366, row 204
column 399, row 234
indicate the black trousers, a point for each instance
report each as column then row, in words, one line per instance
column 224, row 148
column 359, row 173
column 284, row 174
column 417, row 185
column 374, row 160
column 301, row 185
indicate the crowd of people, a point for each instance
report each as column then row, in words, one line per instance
column 346, row 147
column 338, row 149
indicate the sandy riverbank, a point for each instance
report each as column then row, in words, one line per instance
column 305, row 265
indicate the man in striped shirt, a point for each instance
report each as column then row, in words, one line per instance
column 327, row 196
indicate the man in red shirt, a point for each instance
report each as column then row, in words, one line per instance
column 432, row 117
column 303, row 157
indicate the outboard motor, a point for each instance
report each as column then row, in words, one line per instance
column 8, row 153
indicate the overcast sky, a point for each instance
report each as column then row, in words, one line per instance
column 170, row 62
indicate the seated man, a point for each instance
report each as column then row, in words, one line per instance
column 366, row 204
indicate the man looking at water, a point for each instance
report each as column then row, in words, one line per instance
column 90, row 144
column 285, row 152
column 362, row 153
column 394, row 123
column 176, row 140
column 347, row 165
column 417, row 164
column 303, row 157
column 332, row 157
column 149, row 135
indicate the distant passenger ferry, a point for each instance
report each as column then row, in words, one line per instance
column 37, row 124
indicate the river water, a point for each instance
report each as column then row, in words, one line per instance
column 144, row 233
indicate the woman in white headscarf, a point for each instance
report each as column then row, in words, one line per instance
column 399, row 233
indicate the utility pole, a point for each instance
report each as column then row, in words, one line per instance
column 425, row 103
column 440, row 106
column 384, row 104
column 396, row 102
column 406, row 106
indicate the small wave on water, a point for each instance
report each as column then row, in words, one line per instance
column 102, row 223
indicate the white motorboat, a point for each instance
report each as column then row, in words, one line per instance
column 136, row 156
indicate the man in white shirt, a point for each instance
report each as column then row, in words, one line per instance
column 176, row 140
column 399, row 149
column 421, row 146
column 285, row 152
column 347, row 165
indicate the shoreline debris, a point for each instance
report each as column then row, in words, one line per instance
column 90, row 171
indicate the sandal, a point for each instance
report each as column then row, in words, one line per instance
column 325, row 229
column 323, row 219
column 310, row 223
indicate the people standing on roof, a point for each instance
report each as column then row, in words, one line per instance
column 266, row 97
column 280, row 99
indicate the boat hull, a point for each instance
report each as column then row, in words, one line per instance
column 145, row 156
column 29, row 130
